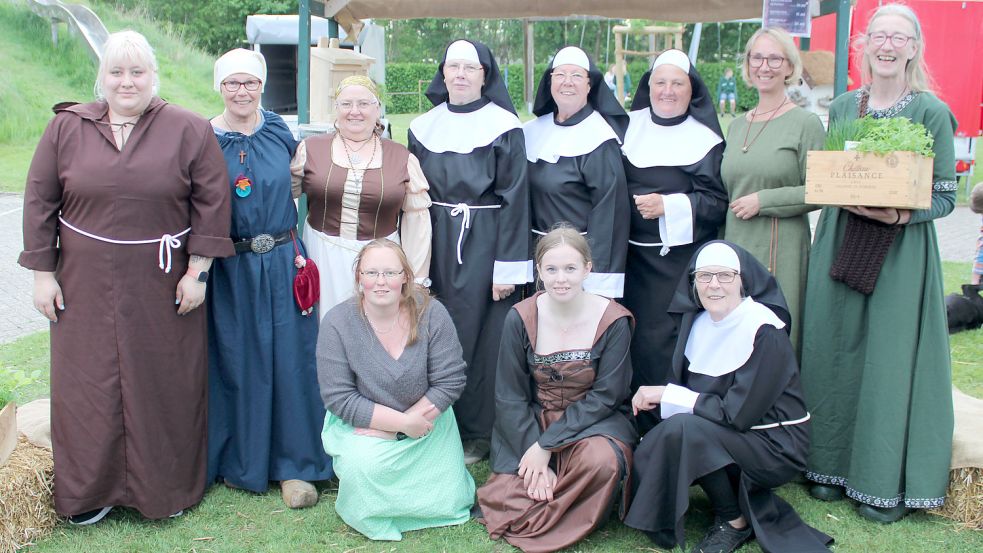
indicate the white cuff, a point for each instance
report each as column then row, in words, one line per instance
column 676, row 400
column 676, row 226
column 512, row 272
column 609, row 285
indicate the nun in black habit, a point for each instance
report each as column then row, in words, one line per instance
column 575, row 169
column 733, row 416
column 672, row 153
column 472, row 152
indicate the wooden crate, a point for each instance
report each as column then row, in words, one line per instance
column 898, row 179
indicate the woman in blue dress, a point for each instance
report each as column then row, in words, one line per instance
column 264, row 413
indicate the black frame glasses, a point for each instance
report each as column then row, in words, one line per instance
column 723, row 277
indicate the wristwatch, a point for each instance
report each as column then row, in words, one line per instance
column 202, row 276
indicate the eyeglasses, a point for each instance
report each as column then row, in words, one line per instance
column 898, row 40
column 469, row 68
column 233, row 86
column 723, row 277
column 774, row 62
column 388, row 275
column 574, row 78
column 361, row 104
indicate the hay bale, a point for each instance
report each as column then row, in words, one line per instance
column 964, row 498
column 27, row 510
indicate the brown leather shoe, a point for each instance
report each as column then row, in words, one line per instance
column 298, row 494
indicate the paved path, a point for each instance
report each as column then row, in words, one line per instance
column 17, row 314
column 957, row 237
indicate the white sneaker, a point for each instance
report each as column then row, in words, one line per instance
column 89, row 517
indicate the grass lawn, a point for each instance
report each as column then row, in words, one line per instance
column 234, row 521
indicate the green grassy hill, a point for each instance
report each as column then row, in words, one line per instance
column 37, row 74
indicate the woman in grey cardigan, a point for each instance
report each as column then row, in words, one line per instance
column 389, row 364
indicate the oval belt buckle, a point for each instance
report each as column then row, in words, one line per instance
column 262, row 243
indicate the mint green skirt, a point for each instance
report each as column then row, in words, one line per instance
column 387, row 487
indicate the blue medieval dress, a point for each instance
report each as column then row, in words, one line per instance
column 264, row 408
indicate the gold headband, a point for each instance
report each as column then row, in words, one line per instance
column 360, row 80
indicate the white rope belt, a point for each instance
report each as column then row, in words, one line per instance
column 542, row 233
column 166, row 243
column 783, row 423
column 662, row 252
column 457, row 209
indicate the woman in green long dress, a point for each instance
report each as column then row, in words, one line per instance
column 764, row 169
column 875, row 358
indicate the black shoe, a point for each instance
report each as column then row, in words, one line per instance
column 884, row 515
column 89, row 517
column 823, row 492
column 722, row 538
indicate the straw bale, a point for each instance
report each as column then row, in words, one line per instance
column 964, row 498
column 27, row 510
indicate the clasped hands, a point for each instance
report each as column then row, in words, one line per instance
column 537, row 476
column 417, row 422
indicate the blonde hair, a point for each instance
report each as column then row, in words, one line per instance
column 785, row 42
column 121, row 46
column 412, row 297
column 363, row 81
column 917, row 76
column 561, row 233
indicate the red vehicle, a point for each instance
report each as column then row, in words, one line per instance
column 952, row 51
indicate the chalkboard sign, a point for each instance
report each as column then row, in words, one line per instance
column 792, row 15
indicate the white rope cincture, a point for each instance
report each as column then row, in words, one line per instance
column 457, row 209
column 543, row 233
column 662, row 252
column 782, row 423
column 166, row 242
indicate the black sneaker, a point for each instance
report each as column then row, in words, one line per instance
column 722, row 538
column 89, row 517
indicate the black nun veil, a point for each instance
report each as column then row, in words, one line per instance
column 700, row 104
column 599, row 97
column 494, row 89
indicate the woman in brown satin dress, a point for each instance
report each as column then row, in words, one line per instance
column 561, row 445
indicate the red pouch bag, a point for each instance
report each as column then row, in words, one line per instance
column 307, row 281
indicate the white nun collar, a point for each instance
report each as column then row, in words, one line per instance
column 648, row 144
column 441, row 130
column 549, row 142
column 716, row 348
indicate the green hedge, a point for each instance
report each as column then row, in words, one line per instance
column 404, row 91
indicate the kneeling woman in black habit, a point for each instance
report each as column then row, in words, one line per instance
column 733, row 417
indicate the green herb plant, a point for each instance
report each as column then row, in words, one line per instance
column 881, row 136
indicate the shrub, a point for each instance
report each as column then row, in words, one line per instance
column 406, row 83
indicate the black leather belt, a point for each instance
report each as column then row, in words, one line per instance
column 261, row 243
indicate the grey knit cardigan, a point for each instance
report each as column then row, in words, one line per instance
column 355, row 372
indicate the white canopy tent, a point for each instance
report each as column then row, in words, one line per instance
column 349, row 12
column 690, row 11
